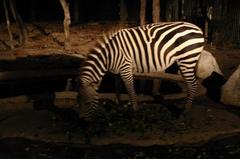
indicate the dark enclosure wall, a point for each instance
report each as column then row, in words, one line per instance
column 95, row 10
column 227, row 22
column 51, row 10
column 43, row 10
column 223, row 29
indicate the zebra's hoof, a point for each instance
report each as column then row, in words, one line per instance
column 83, row 123
column 188, row 107
column 175, row 110
column 187, row 114
column 135, row 107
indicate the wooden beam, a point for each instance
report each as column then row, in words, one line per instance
column 26, row 74
column 65, row 99
column 157, row 75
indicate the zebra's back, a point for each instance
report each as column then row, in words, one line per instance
column 156, row 46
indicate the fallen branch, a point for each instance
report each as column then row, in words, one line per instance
column 41, row 30
column 5, row 44
column 55, row 39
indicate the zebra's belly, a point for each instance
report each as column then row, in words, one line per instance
column 147, row 69
column 150, row 70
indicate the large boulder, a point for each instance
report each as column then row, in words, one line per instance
column 207, row 65
column 211, row 75
column 231, row 89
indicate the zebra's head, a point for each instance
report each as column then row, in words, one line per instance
column 87, row 101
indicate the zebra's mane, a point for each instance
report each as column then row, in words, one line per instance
column 106, row 37
column 101, row 43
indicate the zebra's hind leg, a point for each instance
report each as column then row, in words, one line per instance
column 188, row 73
column 127, row 76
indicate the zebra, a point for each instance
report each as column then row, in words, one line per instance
column 148, row 48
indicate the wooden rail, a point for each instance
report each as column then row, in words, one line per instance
column 159, row 75
column 62, row 97
column 26, row 74
column 65, row 99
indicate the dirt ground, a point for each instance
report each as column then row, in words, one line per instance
column 212, row 131
column 47, row 38
column 153, row 125
column 209, row 120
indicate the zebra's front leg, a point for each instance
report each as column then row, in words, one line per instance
column 127, row 76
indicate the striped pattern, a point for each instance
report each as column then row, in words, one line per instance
column 149, row 48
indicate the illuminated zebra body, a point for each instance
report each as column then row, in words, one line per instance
column 149, row 48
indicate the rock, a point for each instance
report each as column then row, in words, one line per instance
column 213, row 84
column 231, row 89
column 207, row 65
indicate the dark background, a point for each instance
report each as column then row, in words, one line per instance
column 225, row 26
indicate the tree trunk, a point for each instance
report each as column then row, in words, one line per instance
column 123, row 11
column 33, row 10
column 155, row 19
column 66, row 23
column 76, row 14
column 8, row 25
column 23, row 37
column 142, row 12
column 156, row 11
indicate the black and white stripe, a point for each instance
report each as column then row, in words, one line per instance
column 148, row 48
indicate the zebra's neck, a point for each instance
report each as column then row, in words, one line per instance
column 106, row 56
column 111, row 48
column 94, row 67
